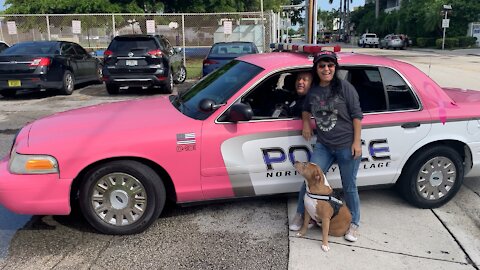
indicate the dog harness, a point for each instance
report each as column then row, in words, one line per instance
column 310, row 201
column 334, row 202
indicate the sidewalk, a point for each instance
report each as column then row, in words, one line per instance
column 463, row 52
column 395, row 235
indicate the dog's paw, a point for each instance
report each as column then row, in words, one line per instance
column 325, row 248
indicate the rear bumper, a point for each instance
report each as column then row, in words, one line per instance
column 29, row 82
column 159, row 77
column 34, row 194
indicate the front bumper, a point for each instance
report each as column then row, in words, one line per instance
column 40, row 194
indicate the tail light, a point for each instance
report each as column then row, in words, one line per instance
column 40, row 62
column 155, row 53
column 207, row 62
column 107, row 53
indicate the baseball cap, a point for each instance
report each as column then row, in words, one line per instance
column 325, row 55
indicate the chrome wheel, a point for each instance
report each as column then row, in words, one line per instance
column 436, row 178
column 181, row 75
column 69, row 82
column 119, row 199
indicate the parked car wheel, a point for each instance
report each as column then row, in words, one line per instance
column 432, row 177
column 122, row 197
column 168, row 87
column 181, row 75
column 112, row 89
column 8, row 93
column 68, row 83
column 99, row 74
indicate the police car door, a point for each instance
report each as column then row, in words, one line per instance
column 256, row 155
column 394, row 121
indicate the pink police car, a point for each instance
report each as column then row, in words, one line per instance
column 232, row 135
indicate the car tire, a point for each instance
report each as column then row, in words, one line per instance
column 181, row 75
column 112, row 89
column 8, row 93
column 168, row 86
column 68, row 83
column 121, row 197
column 99, row 74
column 431, row 177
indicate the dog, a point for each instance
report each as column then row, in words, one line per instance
column 321, row 206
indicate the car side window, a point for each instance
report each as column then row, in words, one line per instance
column 380, row 89
column 80, row 51
column 367, row 81
column 273, row 98
column 67, row 50
column 400, row 96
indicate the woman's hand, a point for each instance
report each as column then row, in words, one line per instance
column 356, row 150
column 307, row 129
column 307, row 132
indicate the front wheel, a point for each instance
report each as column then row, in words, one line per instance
column 122, row 197
column 112, row 89
column 432, row 177
column 181, row 75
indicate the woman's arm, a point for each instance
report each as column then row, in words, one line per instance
column 357, row 139
column 307, row 129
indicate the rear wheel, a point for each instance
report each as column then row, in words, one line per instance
column 68, row 83
column 168, row 87
column 122, row 197
column 432, row 177
column 181, row 75
column 112, row 89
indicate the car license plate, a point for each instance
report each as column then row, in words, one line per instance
column 131, row 62
column 14, row 83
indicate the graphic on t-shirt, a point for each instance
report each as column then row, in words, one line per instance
column 324, row 112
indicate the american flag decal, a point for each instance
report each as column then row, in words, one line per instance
column 186, row 138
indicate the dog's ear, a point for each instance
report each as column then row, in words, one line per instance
column 318, row 174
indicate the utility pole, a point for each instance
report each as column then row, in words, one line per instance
column 445, row 23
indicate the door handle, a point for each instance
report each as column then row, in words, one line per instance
column 411, row 125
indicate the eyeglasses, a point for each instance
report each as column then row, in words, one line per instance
column 329, row 65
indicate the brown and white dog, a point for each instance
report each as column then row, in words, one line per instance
column 320, row 205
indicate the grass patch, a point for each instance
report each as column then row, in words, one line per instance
column 194, row 68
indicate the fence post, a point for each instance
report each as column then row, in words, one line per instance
column 183, row 39
column 48, row 27
column 113, row 25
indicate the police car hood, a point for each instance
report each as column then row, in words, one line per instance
column 106, row 123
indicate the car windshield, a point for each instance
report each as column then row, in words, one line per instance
column 231, row 49
column 218, row 86
column 31, row 48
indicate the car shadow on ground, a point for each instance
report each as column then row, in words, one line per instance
column 25, row 94
column 130, row 91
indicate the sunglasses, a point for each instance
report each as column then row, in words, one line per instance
column 329, row 65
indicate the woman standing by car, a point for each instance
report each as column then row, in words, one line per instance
column 335, row 105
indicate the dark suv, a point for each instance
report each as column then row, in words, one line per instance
column 142, row 60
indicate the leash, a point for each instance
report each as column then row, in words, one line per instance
column 324, row 198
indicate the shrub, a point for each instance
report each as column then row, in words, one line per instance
column 449, row 43
column 466, row 41
column 423, row 42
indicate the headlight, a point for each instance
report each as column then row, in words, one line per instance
column 32, row 164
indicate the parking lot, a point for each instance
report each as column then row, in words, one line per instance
column 247, row 234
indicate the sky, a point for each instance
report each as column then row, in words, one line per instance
column 324, row 5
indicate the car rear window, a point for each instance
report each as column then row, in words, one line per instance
column 371, row 36
column 219, row 50
column 126, row 45
column 31, row 48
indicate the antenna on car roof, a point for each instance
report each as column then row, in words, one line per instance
column 429, row 66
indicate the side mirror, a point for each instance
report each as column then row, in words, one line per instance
column 208, row 105
column 93, row 54
column 240, row 112
column 178, row 50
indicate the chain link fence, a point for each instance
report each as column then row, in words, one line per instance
column 195, row 32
